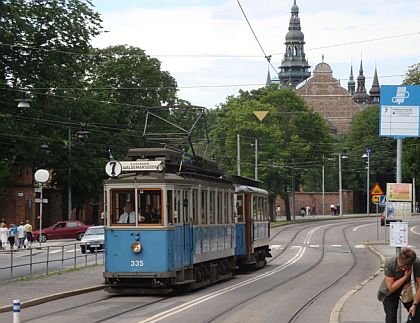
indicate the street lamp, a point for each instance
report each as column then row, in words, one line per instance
column 81, row 134
column 367, row 155
column 340, row 182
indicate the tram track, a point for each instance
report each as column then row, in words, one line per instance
column 290, row 243
column 308, row 303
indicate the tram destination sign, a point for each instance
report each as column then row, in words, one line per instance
column 141, row 165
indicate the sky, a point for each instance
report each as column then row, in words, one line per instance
column 208, row 47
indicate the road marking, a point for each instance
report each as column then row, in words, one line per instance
column 314, row 246
column 275, row 246
column 311, row 232
column 412, row 229
column 187, row 305
column 336, row 245
column 359, row 246
column 361, row 226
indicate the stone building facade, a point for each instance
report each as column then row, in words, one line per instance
column 324, row 94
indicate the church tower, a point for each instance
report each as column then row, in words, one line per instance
column 375, row 91
column 361, row 96
column 351, row 84
column 294, row 67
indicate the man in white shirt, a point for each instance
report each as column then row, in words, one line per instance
column 21, row 236
column 129, row 216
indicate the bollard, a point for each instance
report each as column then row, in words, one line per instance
column 16, row 311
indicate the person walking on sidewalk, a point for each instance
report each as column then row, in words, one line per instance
column 397, row 271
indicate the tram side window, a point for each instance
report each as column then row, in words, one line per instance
column 239, row 207
column 177, row 206
column 169, row 207
column 226, row 207
column 194, row 201
column 185, row 206
column 150, row 206
column 219, row 207
column 260, row 209
column 203, row 210
column 231, row 210
column 122, row 201
column 254, row 207
column 265, row 209
column 212, row 207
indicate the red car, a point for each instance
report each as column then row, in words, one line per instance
column 62, row 230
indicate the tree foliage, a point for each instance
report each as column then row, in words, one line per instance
column 289, row 137
column 74, row 90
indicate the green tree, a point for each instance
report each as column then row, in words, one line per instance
column 411, row 148
column 43, row 45
column 413, row 75
column 290, row 137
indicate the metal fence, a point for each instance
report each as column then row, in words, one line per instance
column 40, row 260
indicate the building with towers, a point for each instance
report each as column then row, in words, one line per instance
column 294, row 67
column 322, row 92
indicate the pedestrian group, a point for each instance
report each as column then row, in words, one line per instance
column 16, row 236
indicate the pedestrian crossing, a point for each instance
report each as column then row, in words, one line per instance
column 280, row 247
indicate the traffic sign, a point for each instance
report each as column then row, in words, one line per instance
column 376, row 190
column 375, row 199
column 399, row 115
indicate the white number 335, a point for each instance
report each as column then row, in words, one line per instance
column 136, row 263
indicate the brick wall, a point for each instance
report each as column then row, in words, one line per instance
column 314, row 200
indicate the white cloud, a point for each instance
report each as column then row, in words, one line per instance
column 204, row 31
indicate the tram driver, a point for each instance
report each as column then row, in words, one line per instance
column 129, row 216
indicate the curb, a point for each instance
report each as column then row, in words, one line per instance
column 336, row 311
column 52, row 297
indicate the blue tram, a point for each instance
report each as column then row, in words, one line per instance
column 175, row 224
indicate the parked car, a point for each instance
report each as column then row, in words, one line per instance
column 93, row 240
column 390, row 215
column 382, row 218
column 62, row 230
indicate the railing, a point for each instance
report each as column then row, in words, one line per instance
column 40, row 260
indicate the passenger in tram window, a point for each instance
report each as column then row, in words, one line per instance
column 397, row 271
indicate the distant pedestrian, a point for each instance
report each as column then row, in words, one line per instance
column 12, row 236
column 21, row 236
column 397, row 271
column 308, row 210
column 28, row 232
column 333, row 210
column 302, row 211
column 4, row 233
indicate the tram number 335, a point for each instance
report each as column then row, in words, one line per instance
column 136, row 263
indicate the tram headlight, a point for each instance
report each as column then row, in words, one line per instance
column 136, row 247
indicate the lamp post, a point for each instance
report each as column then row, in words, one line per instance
column 69, row 206
column 340, row 182
column 367, row 155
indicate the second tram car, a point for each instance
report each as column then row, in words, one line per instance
column 177, row 224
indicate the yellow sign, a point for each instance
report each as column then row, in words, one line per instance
column 399, row 192
column 376, row 198
column 260, row 114
column 376, row 190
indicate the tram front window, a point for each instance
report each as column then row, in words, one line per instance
column 148, row 204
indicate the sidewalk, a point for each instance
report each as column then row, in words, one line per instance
column 360, row 304
column 47, row 288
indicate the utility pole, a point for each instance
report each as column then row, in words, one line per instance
column 238, row 160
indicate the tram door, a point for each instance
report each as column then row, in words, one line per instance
column 188, row 228
column 183, row 229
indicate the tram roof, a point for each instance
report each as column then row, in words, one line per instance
column 250, row 189
column 168, row 178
